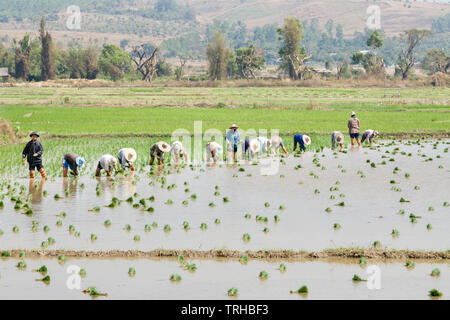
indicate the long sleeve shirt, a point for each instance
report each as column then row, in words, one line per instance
column 233, row 137
column 33, row 147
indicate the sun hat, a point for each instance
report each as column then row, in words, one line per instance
column 130, row 154
column 164, row 147
column 353, row 113
column 255, row 145
column 234, row 126
column 80, row 162
column 34, row 133
column 306, row 140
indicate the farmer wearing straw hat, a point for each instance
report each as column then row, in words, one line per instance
column 33, row 152
column 337, row 138
column 302, row 140
column 212, row 150
column 232, row 138
column 353, row 127
column 177, row 150
column 258, row 145
column 72, row 161
column 276, row 143
column 127, row 157
column 157, row 151
column 369, row 135
column 107, row 162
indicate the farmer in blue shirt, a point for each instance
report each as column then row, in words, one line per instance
column 233, row 138
column 301, row 139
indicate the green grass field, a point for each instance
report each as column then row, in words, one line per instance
column 138, row 117
column 159, row 111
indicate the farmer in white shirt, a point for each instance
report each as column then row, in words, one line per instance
column 369, row 135
column 177, row 150
column 276, row 143
column 212, row 150
column 107, row 162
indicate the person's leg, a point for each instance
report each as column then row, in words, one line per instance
column 352, row 138
column 31, row 174
column 65, row 172
column 41, row 170
column 99, row 169
column 108, row 173
column 152, row 159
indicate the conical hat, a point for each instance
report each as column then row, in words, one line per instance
column 306, row 140
column 130, row 154
column 163, row 146
column 254, row 145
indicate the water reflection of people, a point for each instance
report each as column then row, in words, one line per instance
column 70, row 185
column 36, row 190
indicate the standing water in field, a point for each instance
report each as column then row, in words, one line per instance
column 315, row 201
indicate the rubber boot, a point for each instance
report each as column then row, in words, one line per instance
column 42, row 171
column 31, row 174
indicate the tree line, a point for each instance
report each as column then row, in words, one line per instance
column 40, row 59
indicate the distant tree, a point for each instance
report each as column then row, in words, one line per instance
column 165, row 5
column 163, row 69
column 406, row 58
column 343, row 69
column 218, row 55
column 249, row 61
column 436, row 60
column 91, row 63
column 6, row 58
column 22, row 58
column 124, row 43
column 145, row 61
column 48, row 67
column 179, row 70
column 292, row 55
column 114, row 62
column 375, row 40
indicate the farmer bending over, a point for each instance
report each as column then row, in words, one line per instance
column 157, row 151
column 33, row 152
column 337, row 138
column 369, row 135
column 72, row 161
column 232, row 138
column 127, row 157
column 212, row 150
column 276, row 143
column 302, row 140
column 107, row 162
column 353, row 128
column 177, row 150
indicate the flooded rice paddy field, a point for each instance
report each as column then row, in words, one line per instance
column 317, row 201
column 325, row 279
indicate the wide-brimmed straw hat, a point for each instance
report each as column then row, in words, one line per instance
column 163, row 146
column 80, row 162
column 306, row 140
column 34, row 133
column 339, row 138
column 255, row 145
column 130, row 154
column 234, row 126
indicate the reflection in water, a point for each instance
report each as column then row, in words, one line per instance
column 35, row 190
column 70, row 187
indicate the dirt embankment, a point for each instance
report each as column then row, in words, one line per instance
column 234, row 254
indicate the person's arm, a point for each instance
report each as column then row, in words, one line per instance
column 26, row 150
column 349, row 124
column 40, row 151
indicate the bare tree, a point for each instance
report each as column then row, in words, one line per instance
column 145, row 62
column 406, row 59
column 179, row 71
